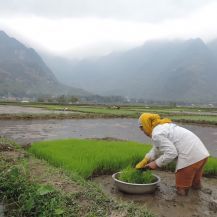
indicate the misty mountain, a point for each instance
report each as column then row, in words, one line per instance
column 24, row 73
column 213, row 47
column 158, row 70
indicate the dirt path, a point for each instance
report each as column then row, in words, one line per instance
column 165, row 202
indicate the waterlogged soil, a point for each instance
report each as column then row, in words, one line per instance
column 165, row 202
column 27, row 110
column 27, row 131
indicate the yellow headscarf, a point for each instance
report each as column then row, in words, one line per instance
column 148, row 121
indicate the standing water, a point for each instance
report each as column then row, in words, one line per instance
column 27, row 131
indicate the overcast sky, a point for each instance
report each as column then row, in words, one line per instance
column 96, row 27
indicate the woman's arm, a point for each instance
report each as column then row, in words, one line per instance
column 152, row 154
column 167, row 148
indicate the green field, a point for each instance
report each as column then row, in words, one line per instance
column 90, row 157
column 128, row 110
column 199, row 118
column 178, row 114
column 94, row 157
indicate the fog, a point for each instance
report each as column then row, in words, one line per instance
column 97, row 27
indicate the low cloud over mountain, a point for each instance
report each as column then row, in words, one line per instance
column 24, row 73
column 158, row 70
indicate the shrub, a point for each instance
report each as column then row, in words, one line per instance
column 22, row 198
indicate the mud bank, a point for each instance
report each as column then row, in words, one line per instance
column 165, row 202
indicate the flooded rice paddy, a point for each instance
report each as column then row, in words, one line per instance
column 27, row 131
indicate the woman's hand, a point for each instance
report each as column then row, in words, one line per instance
column 152, row 165
column 142, row 163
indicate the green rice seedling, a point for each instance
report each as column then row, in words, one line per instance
column 209, row 119
column 132, row 175
column 210, row 168
column 90, row 157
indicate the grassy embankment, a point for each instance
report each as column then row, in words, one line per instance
column 32, row 187
column 94, row 157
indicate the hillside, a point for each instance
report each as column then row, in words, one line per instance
column 24, row 73
column 181, row 71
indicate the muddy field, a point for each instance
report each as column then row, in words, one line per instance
column 4, row 109
column 164, row 202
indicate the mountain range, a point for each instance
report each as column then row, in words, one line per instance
column 24, row 73
column 178, row 70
